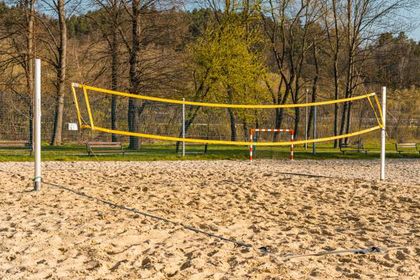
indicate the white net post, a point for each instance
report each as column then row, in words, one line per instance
column 183, row 127
column 383, row 134
column 306, row 120
column 37, row 126
column 314, row 130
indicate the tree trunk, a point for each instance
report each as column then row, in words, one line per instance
column 246, row 131
column 280, row 111
column 348, row 124
column 61, row 75
column 114, row 137
column 345, row 121
column 31, row 126
column 349, row 73
column 114, row 81
column 232, row 121
column 336, row 77
column 232, row 118
column 133, row 104
column 297, row 121
column 30, row 16
column 278, row 122
column 311, row 111
column 133, row 121
column 335, row 105
column 58, row 121
column 314, row 84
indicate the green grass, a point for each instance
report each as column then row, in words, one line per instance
column 152, row 152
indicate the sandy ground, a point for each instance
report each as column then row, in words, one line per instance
column 210, row 220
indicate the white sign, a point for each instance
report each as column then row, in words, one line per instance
column 73, row 126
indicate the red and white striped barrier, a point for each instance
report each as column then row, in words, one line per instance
column 254, row 130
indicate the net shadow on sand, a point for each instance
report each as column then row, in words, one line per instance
column 308, row 175
column 240, row 244
column 152, row 216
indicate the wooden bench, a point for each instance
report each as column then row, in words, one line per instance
column 406, row 147
column 96, row 148
column 16, row 144
column 356, row 147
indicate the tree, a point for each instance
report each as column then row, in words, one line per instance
column 332, row 29
column 151, row 69
column 109, row 22
column 395, row 61
column 287, row 25
column 229, row 64
column 20, row 51
column 57, row 57
column 362, row 21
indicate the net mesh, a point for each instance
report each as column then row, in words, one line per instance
column 160, row 119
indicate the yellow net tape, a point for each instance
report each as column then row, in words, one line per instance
column 221, row 105
column 85, row 93
column 91, row 126
column 76, row 103
column 380, row 111
column 374, row 111
column 234, row 143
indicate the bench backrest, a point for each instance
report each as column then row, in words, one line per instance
column 16, row 143
column 104, row 144
column 348, row 145
column 406, row 145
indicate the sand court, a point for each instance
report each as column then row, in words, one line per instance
column 210, row 220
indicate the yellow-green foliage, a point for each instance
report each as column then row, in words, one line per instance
column 228, row 52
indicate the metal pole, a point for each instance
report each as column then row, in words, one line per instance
column 314, row 131
column 251, row 139
column 183, row 127
column 306, row 120
column 37, row 126
column 292, row 147
column 383, row 133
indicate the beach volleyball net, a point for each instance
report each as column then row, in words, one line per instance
column 110, row 112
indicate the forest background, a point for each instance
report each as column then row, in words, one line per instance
column 230, row 51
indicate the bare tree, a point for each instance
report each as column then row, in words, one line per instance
column 18, row 49
column 287, row 25
column 109, row 23
column 334, row 42
column 57, row 57
column 363, row 21
column 148, row 69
